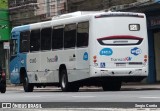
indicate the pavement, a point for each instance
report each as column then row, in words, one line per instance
column 125, row 86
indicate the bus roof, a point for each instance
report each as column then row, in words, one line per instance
column 66, row 18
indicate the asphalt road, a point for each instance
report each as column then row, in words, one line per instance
column 50, row 94
column 133, row 96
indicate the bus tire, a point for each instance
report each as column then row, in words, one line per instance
column 112, row 86
column 64, row 81
column 28, row 87
column 65, row 85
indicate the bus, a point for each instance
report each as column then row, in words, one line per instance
column 79, row 49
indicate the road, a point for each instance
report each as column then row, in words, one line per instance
column 92, row 97
column 50, row 94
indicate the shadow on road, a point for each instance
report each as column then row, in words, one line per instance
column 89, row 89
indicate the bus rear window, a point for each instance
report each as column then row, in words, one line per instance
column 119, row 15
column 119, row 40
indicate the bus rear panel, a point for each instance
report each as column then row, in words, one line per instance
column 121, row 46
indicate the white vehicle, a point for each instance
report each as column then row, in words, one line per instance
column 81, row 48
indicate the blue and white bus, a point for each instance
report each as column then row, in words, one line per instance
column 81, row 48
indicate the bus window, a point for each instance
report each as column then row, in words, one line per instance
column 46, row 38
column 82, row 34
column 70, row 36
column 24, row 41
column 57, row 37
column 35, row 40
column 13, row 47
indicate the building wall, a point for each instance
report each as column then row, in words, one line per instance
column 87, row 5
column 32, row 11
column 153, row 16
column 20, row 11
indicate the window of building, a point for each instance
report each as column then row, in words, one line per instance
column 24, row 41
column 46, row 38
column 57, row 37
column 35, row 40
column 70, row 36
column 58, row 1
column 82, row 34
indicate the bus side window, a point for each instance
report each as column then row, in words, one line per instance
column 24, row 41
column 13, row 47
column 70, row 36
column 82, row 34
column 57, row 37
column 35, row 40
column 46, row 38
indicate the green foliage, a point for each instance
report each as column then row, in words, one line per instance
column 3, row 4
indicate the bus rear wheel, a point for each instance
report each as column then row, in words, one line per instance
column 112, row 86
column 28, row 87
column 65, row 85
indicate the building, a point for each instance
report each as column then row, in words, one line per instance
column 32, row 11
column 94, row 5
column 4, row 35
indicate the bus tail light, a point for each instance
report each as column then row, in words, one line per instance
column 145, row 58
column 94, row 59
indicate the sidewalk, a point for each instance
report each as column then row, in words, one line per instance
column 141, row 86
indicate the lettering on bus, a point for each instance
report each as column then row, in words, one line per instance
column 122, row 59
column 106, row 52
column 55, row 59
column 33, row 60
column 136, row 51
column 85, row 56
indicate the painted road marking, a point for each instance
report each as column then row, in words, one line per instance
column 83, row 96
column 150, row 97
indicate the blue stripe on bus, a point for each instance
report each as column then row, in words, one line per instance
column 21, row 28
column 16, row 64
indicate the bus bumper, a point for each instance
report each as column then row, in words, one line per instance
column 98, row 72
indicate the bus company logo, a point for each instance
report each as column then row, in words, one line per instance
column 33, row 60
column 22, row 61
column 136, row 51
column 55, row 59
column 106, row 52
column 122, row 59
column 85, row 56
